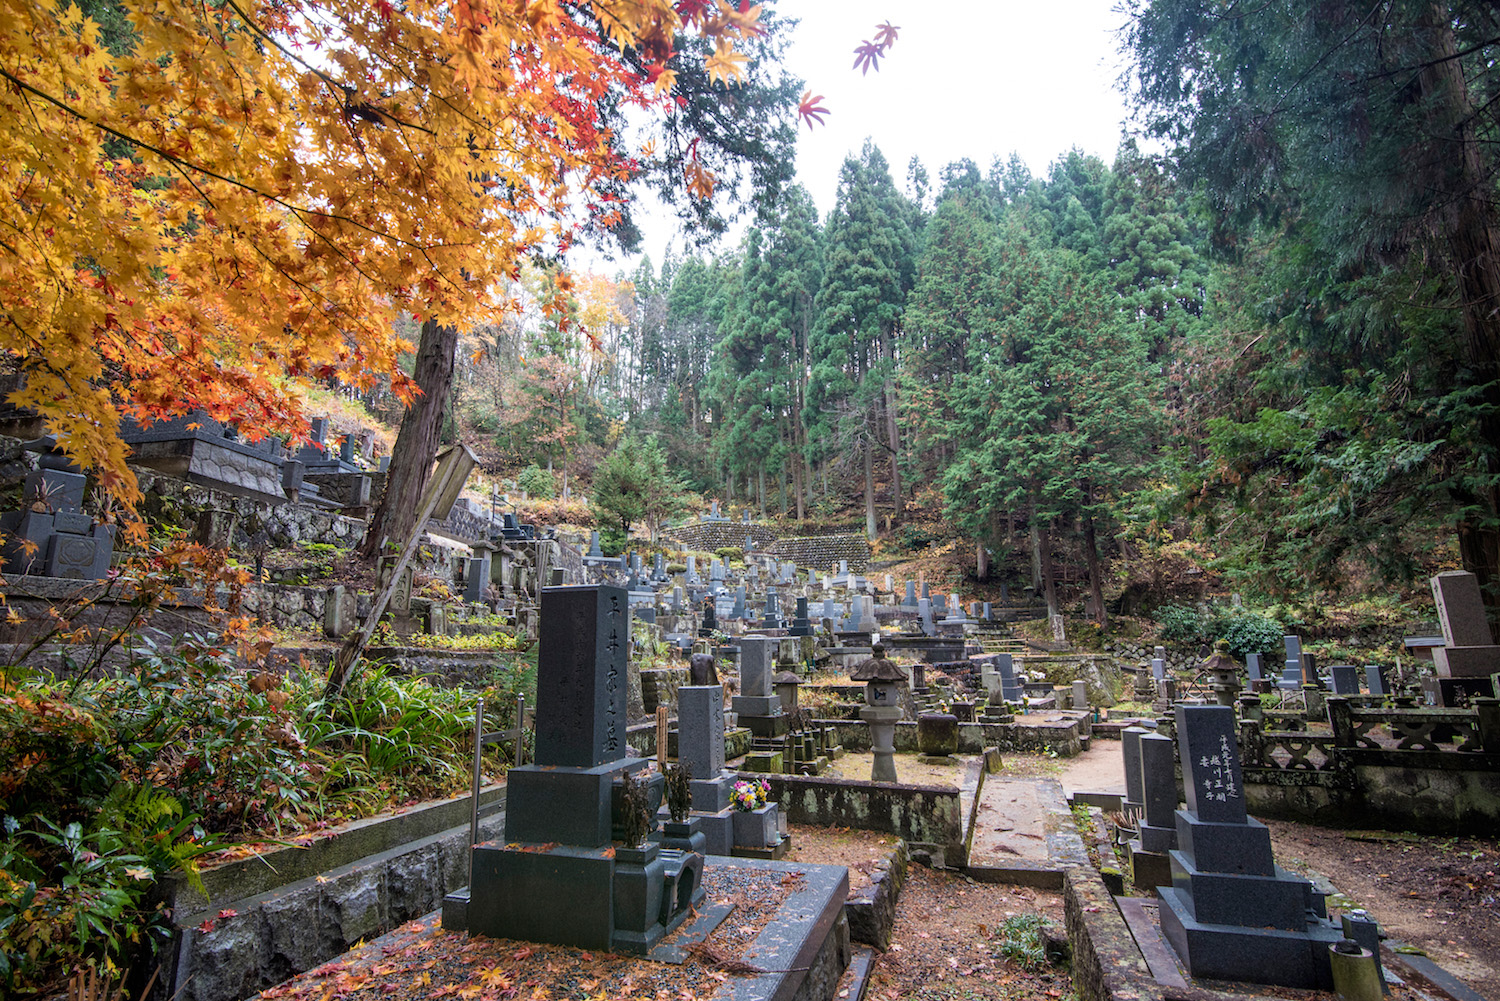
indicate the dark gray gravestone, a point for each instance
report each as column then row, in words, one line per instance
column 1375, row 679
column 581, row 679
column 1010, row 685
column 1345, row 679
column 1213, row 784
column 1158, row 782
column 1460, row 609
column 700, row 729
column 1231, row 913
column 911, row 595
column 1252, row 664
column 477, row 578
column 757, row 665
column 1130, row 749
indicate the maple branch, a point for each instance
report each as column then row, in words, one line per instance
column 364, row 109
column 180, row 163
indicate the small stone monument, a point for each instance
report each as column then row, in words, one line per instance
column 1469, row 655
column 1231, row 913
column 1156, row 831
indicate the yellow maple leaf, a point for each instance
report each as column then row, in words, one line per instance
column 725, row 63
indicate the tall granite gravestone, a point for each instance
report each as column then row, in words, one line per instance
column 1345, row 679
column 757, row 707
column 1010, row 686
column 1157, row 829
column 1231, row 912
column 557, row 876
column 1130, row 755
column 801, row 623
column 700, row 746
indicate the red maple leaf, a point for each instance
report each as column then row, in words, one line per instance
column 810, row 110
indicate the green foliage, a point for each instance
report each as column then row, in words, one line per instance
column 634, row 484
column 1247, row 631
column 537, row 482
column 1180, row 624
column 71, row 897
column 1019, row 940
column 727, row 553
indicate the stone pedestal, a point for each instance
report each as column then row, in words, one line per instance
column 882, row 720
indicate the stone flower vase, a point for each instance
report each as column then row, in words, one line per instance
column 756, row 828
column 937, row 734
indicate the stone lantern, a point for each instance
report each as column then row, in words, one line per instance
column 1224, row 671
column 786, row 684
column 883, row 683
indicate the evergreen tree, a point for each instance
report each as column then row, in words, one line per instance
column 956, row 299
column 1151, row 255
column 1370, row 129
column 1054, row 413
column 866, row 277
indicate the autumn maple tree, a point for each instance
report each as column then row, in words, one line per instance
column 233, row 197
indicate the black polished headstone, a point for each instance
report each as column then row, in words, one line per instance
column 1213, row 783
column 581, row 676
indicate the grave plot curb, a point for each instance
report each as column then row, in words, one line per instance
column 1107, row 964
column 872, row 909
column 263, row 925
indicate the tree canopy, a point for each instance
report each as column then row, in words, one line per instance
column 239, row 196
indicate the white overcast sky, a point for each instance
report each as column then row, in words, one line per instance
column 975, row 80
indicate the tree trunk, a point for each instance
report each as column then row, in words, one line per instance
column 871, row 527
column 1044, row 557
column 981, row 560
column 1096, row 584
column 894, row 431
column 761, row 475
column 1472, row 238
column 394, row 516
column 1036, row 554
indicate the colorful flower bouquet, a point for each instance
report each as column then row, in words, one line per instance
column 749, row 796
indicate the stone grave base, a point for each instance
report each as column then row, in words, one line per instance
column 1148, row 869
column 938, row 759
column 617, row 899
column 802, row 950
column 1248, row 955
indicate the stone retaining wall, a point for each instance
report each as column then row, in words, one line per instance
column 706, row 536
column 973, row 738
column 823, row 552
column 1107, row 965
column 929, row 818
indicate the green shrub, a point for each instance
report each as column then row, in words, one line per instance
column 537, row 482
column 1180, row 624
column 1247, row 631
column 727, row 553
column 612, row 539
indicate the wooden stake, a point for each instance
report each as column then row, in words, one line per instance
column 661, row 737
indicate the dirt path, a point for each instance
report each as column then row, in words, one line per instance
column 1440, row 894
column 1099, row 769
